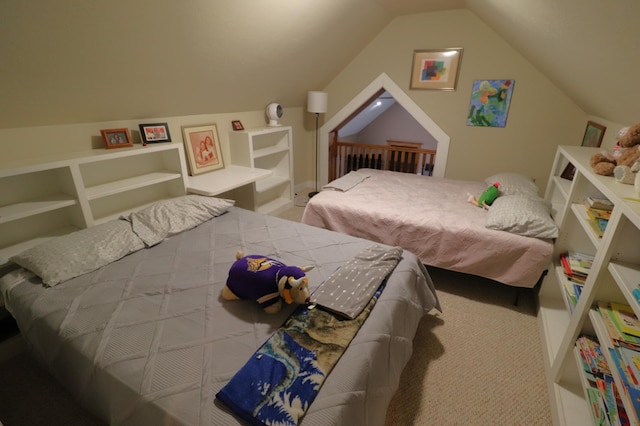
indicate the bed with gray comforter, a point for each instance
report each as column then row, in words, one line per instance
column 147, row 339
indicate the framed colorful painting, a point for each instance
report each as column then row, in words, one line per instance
column 436, row 69
column 489, row 104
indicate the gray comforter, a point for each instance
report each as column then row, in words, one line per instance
column 147, row 340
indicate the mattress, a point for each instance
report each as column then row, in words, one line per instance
column 432, row 218
column 147, row 340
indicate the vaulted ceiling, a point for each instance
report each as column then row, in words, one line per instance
column 72, row 60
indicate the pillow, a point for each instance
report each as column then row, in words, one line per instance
column 62, row 258
column 513, row 183
column 169, row 217
column 522, row 215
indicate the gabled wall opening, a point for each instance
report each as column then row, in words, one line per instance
column 380, row 84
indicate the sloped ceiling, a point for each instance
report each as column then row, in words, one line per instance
column 72, row 61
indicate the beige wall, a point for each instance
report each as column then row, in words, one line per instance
column 540, row 118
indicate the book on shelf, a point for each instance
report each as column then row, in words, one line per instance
column 611, row 322
column 599, row 203
column 630, row 385
column 626, row 318
column 576, row 266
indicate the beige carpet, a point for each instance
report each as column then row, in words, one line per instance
column 477, row 363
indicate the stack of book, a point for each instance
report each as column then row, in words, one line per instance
column 599, row 213
column 623, row 328
column 606, row 405
column 576, row 268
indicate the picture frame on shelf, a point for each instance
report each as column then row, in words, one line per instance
column 116, row 138
column 436, row 69
column 568, row 172
column 593, row 134
column 154, row 133
column 203, row 148
column 237, row 125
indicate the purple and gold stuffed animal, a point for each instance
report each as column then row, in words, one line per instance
column 266, row 281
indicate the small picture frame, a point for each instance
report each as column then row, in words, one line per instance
column 436, row 69
column 116, row 138
column 568, row 172
column 203, row 148
column 237, row 125
column 154, row 133
column 593, row 134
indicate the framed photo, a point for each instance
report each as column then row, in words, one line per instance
column 436, row 69
column 116, row 138
column 593, row 134
column 154, row 132
column 203, row 149
column 489, row 104
column 568, row 172
column 237, row 125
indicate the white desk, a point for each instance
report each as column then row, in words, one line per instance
column 219, row 181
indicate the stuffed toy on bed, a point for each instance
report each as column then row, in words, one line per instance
column 267, row 281
column 487, row 197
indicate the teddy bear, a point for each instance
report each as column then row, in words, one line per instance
column 625, row 161
column 267, row 281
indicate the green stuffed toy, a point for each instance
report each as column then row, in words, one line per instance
column 487, row 197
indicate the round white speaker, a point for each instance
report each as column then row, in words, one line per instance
column 274, row 113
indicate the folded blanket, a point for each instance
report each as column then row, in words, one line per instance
column 347, row 181
column 348, row 290
column 280, row 381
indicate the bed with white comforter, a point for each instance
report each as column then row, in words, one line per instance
column 433, row 218
column 147, row 339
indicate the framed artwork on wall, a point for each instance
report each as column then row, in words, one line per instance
column 489, row 105
column 116, row 138
column 203, row 148
column 154, row 133
column 436, row 69
column 237, row 125
column 593, row 134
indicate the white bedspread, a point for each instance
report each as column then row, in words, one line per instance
column 432, row 218
column 147, row 340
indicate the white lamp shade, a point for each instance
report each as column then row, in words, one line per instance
column 317, row 102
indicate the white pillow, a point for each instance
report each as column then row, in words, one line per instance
column 522, row 215
column 513, row 183
column 169, row 217
column 62, row 258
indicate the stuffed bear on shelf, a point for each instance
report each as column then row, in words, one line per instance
column 625, row 161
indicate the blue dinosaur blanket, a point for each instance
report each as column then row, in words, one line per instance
column 280, row 381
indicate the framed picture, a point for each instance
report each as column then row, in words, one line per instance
column 593, row 134
column 203, row 148
column 568, row 172
column 436, row 69
column 154, row 132
column 237, row 125
column 489, row 103
column 116, row 138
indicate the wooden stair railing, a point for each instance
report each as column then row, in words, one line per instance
column 353, row 156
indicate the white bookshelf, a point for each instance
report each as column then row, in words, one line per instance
column 55, row 196
column 614, row 274
column 271, row 149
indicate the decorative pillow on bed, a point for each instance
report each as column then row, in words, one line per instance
column 62, row 258
column 513, row 183
column 169, row 217
column 522, row 215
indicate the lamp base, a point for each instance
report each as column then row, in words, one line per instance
column 312, row 194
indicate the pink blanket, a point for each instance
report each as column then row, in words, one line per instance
column 432, row 218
